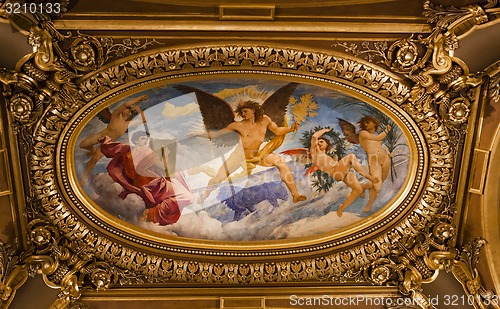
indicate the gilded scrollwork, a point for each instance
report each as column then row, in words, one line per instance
column 446, row 16
column 439, row 79
column 12, row 274
column 494, row 89
column 64, row 264
column 375, row 54
column 465, row 271
column 127, row 46
column 462, row 264
column 40, row 81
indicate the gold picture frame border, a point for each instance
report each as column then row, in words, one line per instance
column 189, row 265
column 212, row 248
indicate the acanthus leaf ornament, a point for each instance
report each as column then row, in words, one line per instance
column 47, row 77
column 494, row 89
column 440, row 78
column 377, row 54
column 462, row 264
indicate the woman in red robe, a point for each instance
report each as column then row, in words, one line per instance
column 138, row 170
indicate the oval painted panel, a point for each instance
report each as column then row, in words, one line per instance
column 302, row 160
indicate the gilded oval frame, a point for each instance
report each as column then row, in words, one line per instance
column 324, row 257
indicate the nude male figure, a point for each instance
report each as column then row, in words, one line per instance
column 339, row 169
column 119, row 121
column 379, row 161
column 252, row 130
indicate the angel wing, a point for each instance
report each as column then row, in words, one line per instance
column 217, row 114
column 303, row 156
column 349, row 131
column 300, row 154
column 104, row 115
column 276, row 105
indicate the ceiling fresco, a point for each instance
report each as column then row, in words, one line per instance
column 255, row 202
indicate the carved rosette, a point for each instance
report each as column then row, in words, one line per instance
column 46, row 78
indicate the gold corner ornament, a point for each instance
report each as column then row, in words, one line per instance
column 13, row 274
column 443, row 86
column 46, row 78
column 462, row 264
column 440, row 80
column 64, row 265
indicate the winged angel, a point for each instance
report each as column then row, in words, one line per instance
column 260, row 123
column 378, row 159
column 117, row 123
column 340, row 170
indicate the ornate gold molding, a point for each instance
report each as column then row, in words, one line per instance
column 71, row 256
column 13, row 274
column 462, row 264
column 341, row 267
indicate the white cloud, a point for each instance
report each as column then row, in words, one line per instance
column 171, row 111
column 315, row 225
column 190, row 224
column 215, row 220
column 107, row 191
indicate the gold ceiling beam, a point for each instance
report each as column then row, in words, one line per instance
column 247, row 26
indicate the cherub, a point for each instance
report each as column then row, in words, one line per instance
column 337, row 169
column 251, row 132
column 118, row 122
column 378, row 159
